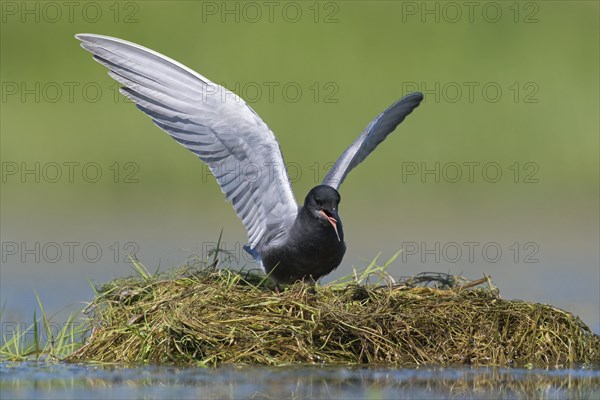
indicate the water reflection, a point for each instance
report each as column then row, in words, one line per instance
column 31, row 380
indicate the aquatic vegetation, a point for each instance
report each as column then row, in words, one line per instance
column 40, row 340
column 208, row 316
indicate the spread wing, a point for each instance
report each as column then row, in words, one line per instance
column 375, row 133
column 211, row 122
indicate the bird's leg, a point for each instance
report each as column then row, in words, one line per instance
column 313, row 289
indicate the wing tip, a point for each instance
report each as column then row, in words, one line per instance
column 416, row 96
column 94, row 39
column 89, row 37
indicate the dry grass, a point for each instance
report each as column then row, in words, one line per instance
column 208, row 316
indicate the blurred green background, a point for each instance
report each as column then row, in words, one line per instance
column 510, row 85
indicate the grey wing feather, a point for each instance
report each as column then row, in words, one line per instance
column 213, row 123
column 374, row 133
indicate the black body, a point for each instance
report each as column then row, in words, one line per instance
column 312, row 248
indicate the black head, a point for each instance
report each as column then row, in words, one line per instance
column 322, row 203
column 322, row 197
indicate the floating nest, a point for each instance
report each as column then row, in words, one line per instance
column 209, row 316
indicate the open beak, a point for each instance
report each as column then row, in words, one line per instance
column 332, row 221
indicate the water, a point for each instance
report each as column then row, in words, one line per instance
column 69, row 381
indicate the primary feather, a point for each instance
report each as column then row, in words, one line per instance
column 213, row 123
column 374, row 133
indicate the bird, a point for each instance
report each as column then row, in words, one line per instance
column 290, row 242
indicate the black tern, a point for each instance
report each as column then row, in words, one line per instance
column 290, row 242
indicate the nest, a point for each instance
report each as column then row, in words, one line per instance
column 209, row 316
